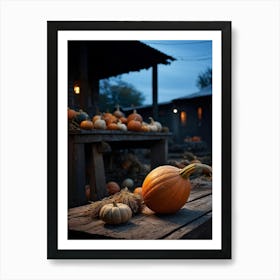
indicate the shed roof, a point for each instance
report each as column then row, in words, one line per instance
column 206, row 91
column 203, row 92
column 111, row 58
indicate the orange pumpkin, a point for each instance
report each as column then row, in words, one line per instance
column 87, row 124
column 134, row 125
column 112, row 126
column 110, row 119
column 134, row 116
column 196, row 139
column 138, row 190
column 145, row 128
column 112, row 187
column 71, row 114
column 123, row 120
column 167, row 188
column 95, row 118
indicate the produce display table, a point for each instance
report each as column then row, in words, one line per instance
column 193, row 221
column 157, row 142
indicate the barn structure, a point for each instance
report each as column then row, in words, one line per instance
column 189, row 118
column 91, row 61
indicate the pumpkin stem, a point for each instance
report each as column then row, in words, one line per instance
column 194, row 167
column 115, row 204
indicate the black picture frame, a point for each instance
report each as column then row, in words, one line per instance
column 53, row 252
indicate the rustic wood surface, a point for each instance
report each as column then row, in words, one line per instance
column 90, row 136
column 148, row 225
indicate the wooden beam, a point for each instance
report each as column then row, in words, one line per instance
column 84, row 84
column 94, row 98
column 97, row 177
column 155, row 91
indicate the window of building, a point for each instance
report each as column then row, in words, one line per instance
column 199, row 113
column 183, row 117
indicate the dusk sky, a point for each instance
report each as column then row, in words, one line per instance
column 178, row 78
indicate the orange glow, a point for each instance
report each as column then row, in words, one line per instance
column 76, row 88
column 183, row 117
column 199, row 113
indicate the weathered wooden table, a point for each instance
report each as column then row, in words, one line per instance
column 157, row 142
column 193, row 221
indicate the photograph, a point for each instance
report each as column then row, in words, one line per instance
column 141, row 166
column 163, row 168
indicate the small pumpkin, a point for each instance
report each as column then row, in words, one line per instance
column 100, row 124
column 123, row 120
column 156, row 123
column 134, row 116
column 152, row 126
column 115, row 213
column 121, row 126
column 145, row 127
column 109, row 118
column 81, row 116
column 128, row 183
column 167, row 188
column 118, row 113
column 95, row 118
column 134, row 125
column 71, row 114
column 87, row 124
column 112, row 187
column 196, row 139
column 112, row 126
column 138, row 190
column 165, row 129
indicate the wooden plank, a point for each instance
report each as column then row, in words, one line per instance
column 118, row 132
column 185, row 231
column 76, row 211
column 148, row 225
column 111, row 136
column 97, row 178
column 199, row 193
column 203, row 231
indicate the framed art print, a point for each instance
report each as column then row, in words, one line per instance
column 141, row 166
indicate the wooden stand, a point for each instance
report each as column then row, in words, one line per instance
column 156, row 142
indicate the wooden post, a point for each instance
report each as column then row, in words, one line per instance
column 97, row 177
column 71, row 176
column 79, row 173
column 84, row 84
column 155, row 91
column 94, row 98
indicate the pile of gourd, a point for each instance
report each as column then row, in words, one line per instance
column 114, row 121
